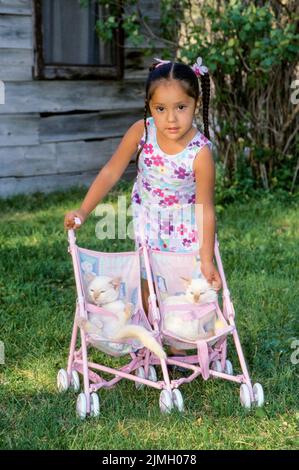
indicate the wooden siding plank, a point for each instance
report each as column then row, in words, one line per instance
column 16, row 31
column 27, row 160
column 16, row 73
column 21, row 57
column 48, row 183
column 62, row 96
column 16, row 7
column 19, row 129
column 55, row 158
column 84, row 156
column 74, row 127
column 45, row 184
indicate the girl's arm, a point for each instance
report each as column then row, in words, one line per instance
column 204, row 168
column 108, row 175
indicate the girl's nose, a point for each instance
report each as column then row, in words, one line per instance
column 171, row 116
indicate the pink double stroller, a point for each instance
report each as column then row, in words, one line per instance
column 208, row 357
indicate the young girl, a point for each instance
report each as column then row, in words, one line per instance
column 176, row 171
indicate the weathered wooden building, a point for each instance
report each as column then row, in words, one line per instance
column 68, row 97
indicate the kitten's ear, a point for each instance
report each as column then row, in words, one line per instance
column 186, row 280
column 116, row 282
column 89, row 277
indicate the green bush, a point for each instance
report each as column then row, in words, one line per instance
column 251, row 49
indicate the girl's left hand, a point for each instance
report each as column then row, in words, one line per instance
column 211, row 274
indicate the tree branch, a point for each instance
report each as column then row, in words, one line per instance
column 295, row 175
column 149, row 30
column 290, row 140
column 291, row 118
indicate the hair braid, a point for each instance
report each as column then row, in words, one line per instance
column 146, row 132
column 205, row 86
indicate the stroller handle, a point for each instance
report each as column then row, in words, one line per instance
column 71, row 231
column 77, row 220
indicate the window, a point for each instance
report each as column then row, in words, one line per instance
column 67, row 45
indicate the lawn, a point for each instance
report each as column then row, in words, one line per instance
column 259, row 241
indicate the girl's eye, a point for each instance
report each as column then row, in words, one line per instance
column 182, row 106
column 91, row 290
column 160, row 109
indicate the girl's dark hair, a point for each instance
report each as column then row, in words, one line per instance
column 190, row 83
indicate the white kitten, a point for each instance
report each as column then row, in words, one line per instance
column 181, row 323
column 104, row 292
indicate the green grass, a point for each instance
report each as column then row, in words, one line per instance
column 259, row 241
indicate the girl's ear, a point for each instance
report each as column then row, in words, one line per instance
column 198, row 105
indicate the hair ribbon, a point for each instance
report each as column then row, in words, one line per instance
column 198, row 68
column 161, row 62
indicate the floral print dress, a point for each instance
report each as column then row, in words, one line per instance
column 163, row 195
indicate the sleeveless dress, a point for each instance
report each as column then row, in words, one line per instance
column 163, row 196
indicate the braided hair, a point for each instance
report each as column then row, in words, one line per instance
column 190, row 83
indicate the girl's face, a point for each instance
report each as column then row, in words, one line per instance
column 172, row 110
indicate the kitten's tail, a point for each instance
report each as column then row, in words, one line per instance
column 144, row 336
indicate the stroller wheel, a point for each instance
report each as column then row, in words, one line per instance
column 141, row 374
column 62, row 380
column 165, row 402
column 94, row 405
column 228, row 368
column 258, row 394
column 81, row 406
column 216, row 366
column 152, row 374
column 75, row 381
column 245, row 396
column 178, row 400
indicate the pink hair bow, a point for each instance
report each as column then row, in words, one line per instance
column 198, row 68
column 161, row 62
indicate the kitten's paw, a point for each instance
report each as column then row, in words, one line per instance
column 81, row 322
column 219, row 325
column 128, row 310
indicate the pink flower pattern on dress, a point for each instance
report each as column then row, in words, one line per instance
column 146, row 185
column 181, row 173
column 170, row 200
column 198, row 142
column 136, row 198
column 148, row 161
column 148, row 148
column 182, row 229
column 167, row 228
column 191, row 199
column 193, row 235
column 158, row 161
column 158, row 192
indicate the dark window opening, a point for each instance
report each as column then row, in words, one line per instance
column 67, row 45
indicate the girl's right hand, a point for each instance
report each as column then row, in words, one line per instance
column 69, row 219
